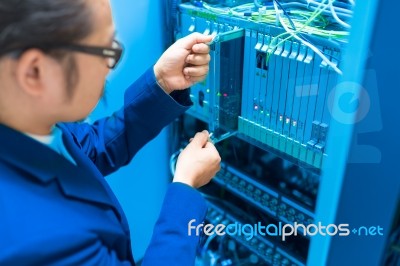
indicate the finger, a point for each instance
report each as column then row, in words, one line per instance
column 194, row 38
column 201, row 48
column 190, row 140
column 198, row 59
column 210, row 145
column 195, row 79
column 200, row 139
column 196, row 71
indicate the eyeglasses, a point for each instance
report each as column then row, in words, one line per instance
column 113, row 54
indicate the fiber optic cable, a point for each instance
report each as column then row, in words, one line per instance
column 335, row 16
column 309, row 21
column 290, row 20
column 294, row 33
column 312, row 47
column 270, row 17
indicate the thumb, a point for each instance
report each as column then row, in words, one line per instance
column 194, row 38
column 200, row 139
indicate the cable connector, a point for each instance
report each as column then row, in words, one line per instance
column 261, row 12
column 215, row 139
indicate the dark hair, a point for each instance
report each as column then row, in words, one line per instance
column 43, row 24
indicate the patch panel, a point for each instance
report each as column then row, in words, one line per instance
column 266, row 250
column 262, row 196
column 276, row 190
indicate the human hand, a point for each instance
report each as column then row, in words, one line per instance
column 184, row 63
column 198, row 162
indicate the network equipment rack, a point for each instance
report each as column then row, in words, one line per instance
column 284, row 100
column 253, row 186
column 273, row 92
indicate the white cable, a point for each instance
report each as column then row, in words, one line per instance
column 347, row 11
column 352, row 2
column 312, row 47
column 335, row 16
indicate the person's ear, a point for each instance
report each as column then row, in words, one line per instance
column 29, row 71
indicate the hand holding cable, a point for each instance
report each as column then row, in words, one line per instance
column 198, row 162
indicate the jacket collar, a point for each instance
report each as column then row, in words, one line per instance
column 79, row 181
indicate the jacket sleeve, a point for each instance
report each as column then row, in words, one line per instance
column 111, row 142
column 175, row 239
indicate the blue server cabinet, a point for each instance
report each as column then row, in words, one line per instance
column 314, row 145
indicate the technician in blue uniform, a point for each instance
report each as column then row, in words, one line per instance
column 55, row 207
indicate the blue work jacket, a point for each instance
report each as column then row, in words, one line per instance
column 53, row 212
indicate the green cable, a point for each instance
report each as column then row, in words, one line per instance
column 311, row 19
column 270, row 17
column 305, row 25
